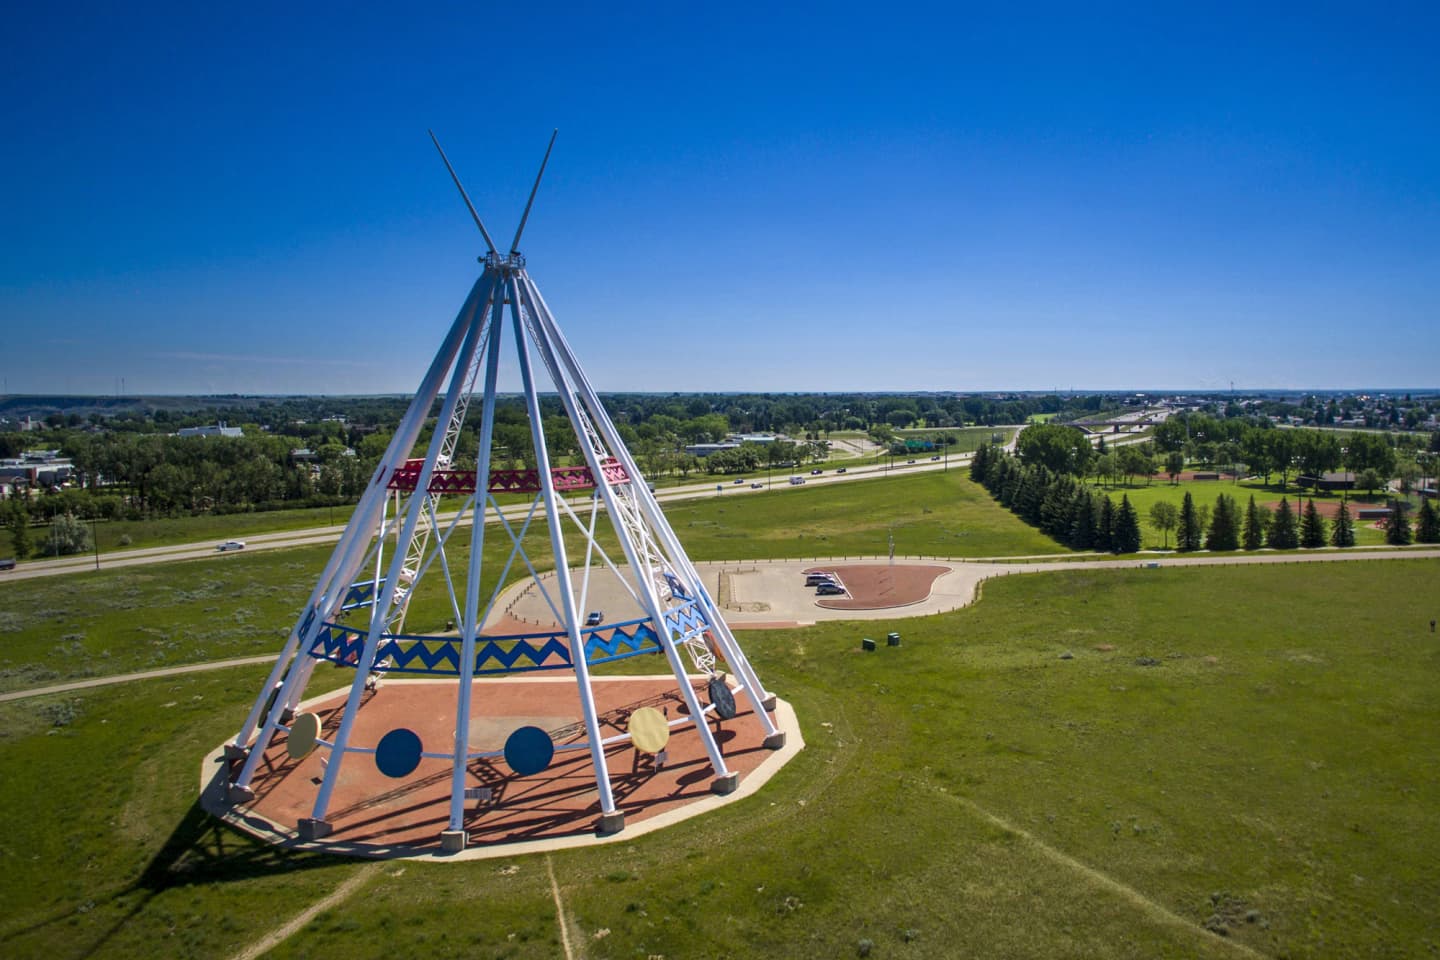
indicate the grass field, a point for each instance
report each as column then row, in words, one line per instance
column 1244, row 757
column 141, row 618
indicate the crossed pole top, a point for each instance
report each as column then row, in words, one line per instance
column 493, row 256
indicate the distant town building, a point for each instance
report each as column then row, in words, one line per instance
column 218, row 430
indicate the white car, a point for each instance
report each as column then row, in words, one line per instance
column 231, row 545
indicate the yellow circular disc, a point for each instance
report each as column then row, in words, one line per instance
column 649, row 730
column 303, row 732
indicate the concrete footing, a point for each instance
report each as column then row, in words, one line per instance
column 452, row 841
column 236, row 794
column 775, row 741
column 611, row 823
column 769, row 703
column 312, row 829
column 234, row 751
column 725, row 784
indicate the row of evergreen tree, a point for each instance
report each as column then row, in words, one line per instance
column 1067, row 509
column 1059, row 504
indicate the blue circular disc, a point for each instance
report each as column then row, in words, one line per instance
column 528, row 750
column 398, row 753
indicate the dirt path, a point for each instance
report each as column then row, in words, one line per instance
column 283, row 932
column 127, row 677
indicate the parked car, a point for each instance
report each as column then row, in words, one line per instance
column 594, row 619
column 231, row 545
column 756, row 486
column 829, row 590
column 817, row 578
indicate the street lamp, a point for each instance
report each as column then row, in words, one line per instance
column 95, row 539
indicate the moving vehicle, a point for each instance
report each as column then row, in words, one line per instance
column 829, row 590
column 934, row 458
column 796, row 481
column 231, row 545
column 739, row 479
column 841, row 470
column 7, row 564
column 756, row 486
column 816, row 473
column 594, row 619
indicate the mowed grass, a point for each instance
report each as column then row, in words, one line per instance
column 1143, row 496
column 140, row 618
column 930, row 514
column 1242, row 757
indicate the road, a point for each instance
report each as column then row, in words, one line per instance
column 778, row 482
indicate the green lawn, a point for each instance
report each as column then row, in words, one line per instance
column 105, row 622
column 1243, row 757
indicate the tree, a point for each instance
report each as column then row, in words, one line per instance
column 1164, row 517
column 1343, row 534
column 67, row 535
column 19, row 522
column 1174, row 464
column 1082, row 520
column 1126, row 538
column 1105, row 526
column 1427, row 527
column 1312, row 528
column 1188, row 536
column 1397, row 528
column 1058, row 448
column 1224, row 533
column 1369, row 478
column 1254, row 534
column 1283, row 535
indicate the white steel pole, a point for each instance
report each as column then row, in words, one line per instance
column 385, row 595
column 750, row 680
column 639, row 568
column 472, row 581
column 354, row 540
column 562, row 569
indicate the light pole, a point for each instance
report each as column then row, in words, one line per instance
column 95, row 539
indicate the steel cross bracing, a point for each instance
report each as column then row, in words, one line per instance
column 415, row 556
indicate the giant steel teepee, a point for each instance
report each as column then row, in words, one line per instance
column 397, row 537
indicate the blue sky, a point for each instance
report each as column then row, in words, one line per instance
column 219, row 198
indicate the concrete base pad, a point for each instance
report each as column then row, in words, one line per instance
column 452, row 841
column 725, row 784
column 611, row 823
column 312, row 829
column 236, row 752
column 239, row 794
column 775, row 741
column 769, row 703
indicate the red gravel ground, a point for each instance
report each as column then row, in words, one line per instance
column 1329, row 509
column 368, row 807
column 877, row 586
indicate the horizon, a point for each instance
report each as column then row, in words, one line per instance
column 935, row 202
